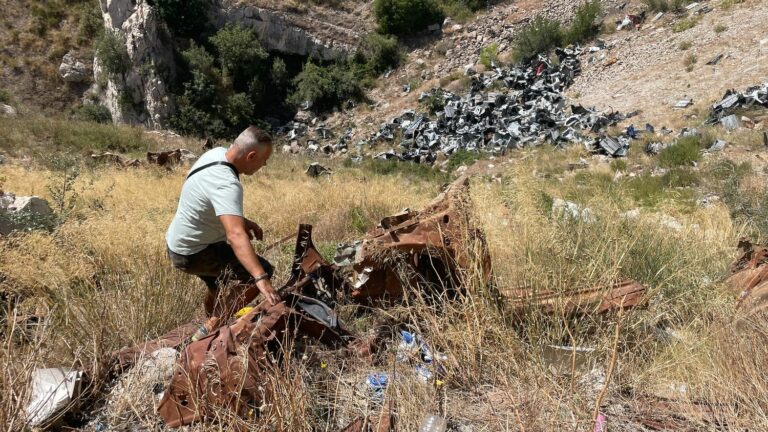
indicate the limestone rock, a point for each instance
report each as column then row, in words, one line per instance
column 7, row 111
column 72, row 69
column 12, row 206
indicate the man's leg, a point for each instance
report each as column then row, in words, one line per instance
column 242, row 293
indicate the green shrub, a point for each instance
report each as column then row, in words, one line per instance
column 685, row 45
column 461, row 157
column 489, row 55
column 186, row 18
column 198, row 59
column 92, row 113
column 378, row 53
column 5, row 97
column 239, row 111
column 584, row 24
column 113, row 54
column 408, row 170
column 462, row 10
column 619, row 165
column 90, row 24
column 680, row 177
column 240, row 53
column 406, row 16
column 279, row 74
column 690, row 62
column 685, row 152
column 539, row 36
column 720, row 28
column 666, row 5
column 326, row 87
column 46, row 15
column 685, row 24
column 434, row 102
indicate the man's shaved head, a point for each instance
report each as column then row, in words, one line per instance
column 250, row 150
column 253, row 139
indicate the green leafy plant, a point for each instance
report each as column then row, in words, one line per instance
column 489, row 55
column 92, row 113
column 406, row 16
column 112, row 53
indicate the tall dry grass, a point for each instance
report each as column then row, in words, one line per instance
column 101, row 281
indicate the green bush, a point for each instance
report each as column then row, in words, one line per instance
column 539, row 36
column 90, row 24
column 279, row 74
column 5, row 97
column 461, row 157
column 680, row 177
column 666, row 5
column 489, row 55
column 378, row 53
column 186, row 18
column 584, row 24
column 326, row 87
column 239, row 111
column 92, row 113
column 113, row 54
column 462, row 10
column 240, row 53
column 46, row 14
column 685, row 152
column 406, row 16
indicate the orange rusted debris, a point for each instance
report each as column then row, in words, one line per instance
column 115, row 159
column 626, row 294
column 226, row 370
column 170, row 158
column 438, row 245
column 749, row 277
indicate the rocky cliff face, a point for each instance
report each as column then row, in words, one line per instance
column 139, row 96
column 311, row 34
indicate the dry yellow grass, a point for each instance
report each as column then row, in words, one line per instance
column 102, row 281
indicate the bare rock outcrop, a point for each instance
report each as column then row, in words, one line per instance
column 139, row 96
column 72, row 69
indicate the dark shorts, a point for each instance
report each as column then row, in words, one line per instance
column 216, row 265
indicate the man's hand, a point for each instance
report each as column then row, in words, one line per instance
column 253, row 230
column 269, row 293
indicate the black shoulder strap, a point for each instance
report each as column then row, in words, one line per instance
column 198, row 169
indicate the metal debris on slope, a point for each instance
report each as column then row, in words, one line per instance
column 733, row 100
column 508, row 108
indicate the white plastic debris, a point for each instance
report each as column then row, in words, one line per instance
column 568, row 209
column 52, row 390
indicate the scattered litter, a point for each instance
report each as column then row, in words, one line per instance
column 692, row 6
column 52, row 390
column 571, row 210
column 730, row 122
column 433, row 423
column 170, row 158
column 717, row 146
column 316, row 170
column 715, row 60
column 657, row 17
column 655, row 148
column 115, row 159
column 733, row 100
column 684, row 103
column 377, row 384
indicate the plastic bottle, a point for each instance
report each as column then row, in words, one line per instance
column 433, row 423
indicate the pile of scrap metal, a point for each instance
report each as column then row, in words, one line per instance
column 508, row 108
column 755, row 96
column 437, row 248
column 505, row 108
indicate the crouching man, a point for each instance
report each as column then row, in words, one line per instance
column 209, row 237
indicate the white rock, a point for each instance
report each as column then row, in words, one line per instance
column 72, row 69
column 7, row 111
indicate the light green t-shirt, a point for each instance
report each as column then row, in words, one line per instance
column 210, row 193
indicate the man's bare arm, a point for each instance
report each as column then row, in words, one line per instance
column 237, row 236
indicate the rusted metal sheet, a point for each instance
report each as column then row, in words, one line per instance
column 626, row 294
column 115, row 159
column 225, row 370
column 749, row 277
column 127, row 357
column 438, row 245
column 170, row 158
